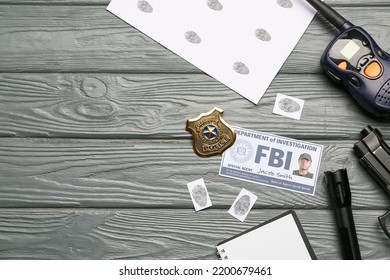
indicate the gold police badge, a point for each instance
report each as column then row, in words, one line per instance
column 211, row 134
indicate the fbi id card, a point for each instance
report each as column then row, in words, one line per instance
column 273, row 160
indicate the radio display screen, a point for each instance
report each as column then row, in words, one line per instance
column 350, row 49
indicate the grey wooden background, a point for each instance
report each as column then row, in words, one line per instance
column 94, row 156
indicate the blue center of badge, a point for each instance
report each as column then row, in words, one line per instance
column 210, row 132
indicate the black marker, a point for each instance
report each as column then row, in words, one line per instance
column 340, row 198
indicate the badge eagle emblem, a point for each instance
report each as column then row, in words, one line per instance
column 211, row 134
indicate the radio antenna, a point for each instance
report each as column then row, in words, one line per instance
column 327, row 12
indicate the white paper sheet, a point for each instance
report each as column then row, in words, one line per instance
column 243, row 44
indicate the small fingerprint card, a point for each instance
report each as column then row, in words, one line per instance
column 242, row 44
column 199, row 194
column 288, row 106
column 242, row 205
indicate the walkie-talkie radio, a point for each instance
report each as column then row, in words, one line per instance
column 354, row 60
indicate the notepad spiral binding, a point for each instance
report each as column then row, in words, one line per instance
column 222, row 255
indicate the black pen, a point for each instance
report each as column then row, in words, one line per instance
column 340, row 197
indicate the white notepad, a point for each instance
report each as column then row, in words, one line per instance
column 281, row 238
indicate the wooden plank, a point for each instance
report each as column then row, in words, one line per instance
column 148, row 167
column 106, row 2
column 162, row 234
column 157, row 106
column 90, row 39
column 150, row 174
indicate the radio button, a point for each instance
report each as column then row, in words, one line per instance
column 373, row 70
column 353, row 80
column 381, row 53
column 364, row 62
column 343, row 65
